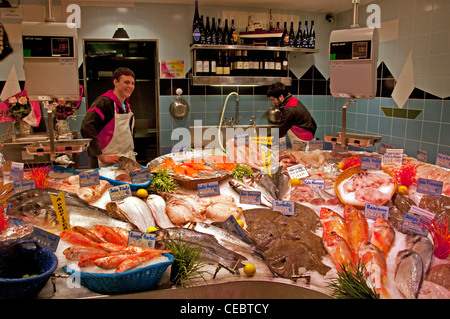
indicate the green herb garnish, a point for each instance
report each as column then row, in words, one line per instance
column 163, row 182
column 351, row 283
column 241, row 170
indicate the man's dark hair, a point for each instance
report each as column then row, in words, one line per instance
column 122, row 71
column 277, row 89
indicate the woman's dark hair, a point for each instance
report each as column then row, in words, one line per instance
column 122, row 71
column 277, row 89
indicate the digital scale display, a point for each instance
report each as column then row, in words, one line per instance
column 48, row 46
column 352, row 50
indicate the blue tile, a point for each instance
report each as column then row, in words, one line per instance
column 361, row 123
column 362, row 106
column 385, row 126
column 431, row 151
column 414, row 130
column 411, row 148
column 164, row 104
column 372, row 124
column 319, row 102
column 213, row 118
column 165, row 121
column 261, row 103
column 351, row 120
column 445, row 135
column 374, row 107
column 307, row 101
column 398, row 127
column 443, row 150
column 197, row 103
column 446, row 112
column 319, row 116
column 398, row 142
column 214, row 103
column 430, row 132
column 196, row 117
column 433, row 110
column 245, row 103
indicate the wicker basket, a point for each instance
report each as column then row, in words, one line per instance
column 25, row 260
column 139, row 279
column 349, row 172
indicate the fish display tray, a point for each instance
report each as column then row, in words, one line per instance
column 140, row 279
column 61, row 146
column 353, row 139
column 133, row 187
column 349, row 172
column 22, row 288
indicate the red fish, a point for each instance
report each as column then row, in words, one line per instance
column 375, row 264
column 110, row 235
column 333, row 222
column 134, row 261
column 357, row 227
column 338, row 249
column 77, row 238
column 383, row 235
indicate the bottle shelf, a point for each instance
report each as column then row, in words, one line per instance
column 251, row 47
column 234, row 80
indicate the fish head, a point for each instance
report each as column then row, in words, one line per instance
column 350, row 212
column 326, row 213
column 162, row 234
column 331, row 239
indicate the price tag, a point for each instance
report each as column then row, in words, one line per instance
column 250, row 197
column 240, row 140
column 315, row 145
column 231, row 225
column 339, row 148
column 443, row 160
column 137, row 238
column 286, row 207
column 141, row 176
column 283, row 145
column 45, row 239
column 422, row 156
column 370, row 163
column 315, row 184
column 373, row 211
column 392, row 158
column 299, row 145
column 119, row 192
column 415, row 220
column 16, row 172
column 385, row 146
column 430, row 187
column 297, row 171
column 91, row 178
column 208, row 189
column 24, row 185
column 59, row 203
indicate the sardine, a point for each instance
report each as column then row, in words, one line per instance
column 408, row 273
column 266, row 198
column 212, row 250
column 35, row 207
column 423, row 246
column 157, row 206
column 228, row 239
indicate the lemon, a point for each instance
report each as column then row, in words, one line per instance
column 240, row 222
column 151, row 229
column 403, row 190
column 295, row 182
column 142, row 193
column 249, row 269
column 340, row 165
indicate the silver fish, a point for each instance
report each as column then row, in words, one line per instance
column 423, row 246
column 408, row 273
column 266, row 198
column 228, row 239
column 212, row 250
column 35, row 207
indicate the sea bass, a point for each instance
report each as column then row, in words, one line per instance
column 375, row 264
column 423, row 246
column 357, row 227
column 211, row 249
column 35, row 207
column 338, row 249
column 408, row 273
column 333, row 222
column 383, row 235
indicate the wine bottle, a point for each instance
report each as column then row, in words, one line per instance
column 234, row 36
column 312, row 36
column 278, row 64
column 291, row 35
column 202, row 31
column 239, row 63
column 219, row 32
column 199, row 64
column 298, row 38
column 305, row 38
column 206, row 63
column 285, row 66
column 213, row 31
column 226, row 65
column 226, row 33
column 246, row 63
column 219, row 65
column 213, row 64
column 196, row 25
column 208, row 31
column 285, row 36
column 277, row 43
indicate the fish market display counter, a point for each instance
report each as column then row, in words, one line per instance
column 304, row 233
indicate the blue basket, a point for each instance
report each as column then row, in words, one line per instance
column 140, row 279
column 44, row 262
column 133, row 187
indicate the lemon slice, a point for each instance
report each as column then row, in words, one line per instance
column 151, row 229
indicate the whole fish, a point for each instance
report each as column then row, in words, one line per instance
column 266, row 198
column 282, row 182
column 157, row 206
column 35, row 207
column 423, row 246
column 211, row 250
column 357, row 227
column 375, row 264
column 340, row 252
column 128, row 165
column 135, row 210
column 408, row 273
column 333, row 222
column 383, row 235
column 228, row 239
